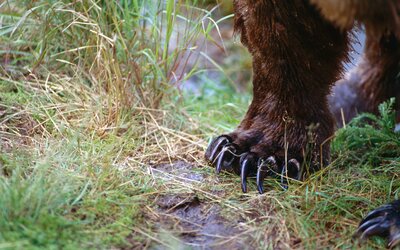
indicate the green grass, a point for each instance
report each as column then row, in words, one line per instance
column 82, row 85
column 89, row 103
column 33, row 200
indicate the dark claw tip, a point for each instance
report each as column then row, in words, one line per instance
column 226, row 157
column 291, row 170
column 265, row 168
column 220, row 160
column 383, row 221
column 216, row 146
column 247, row 167
column 243, row 174
column 294, row 169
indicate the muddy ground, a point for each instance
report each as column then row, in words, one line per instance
column 197, row 222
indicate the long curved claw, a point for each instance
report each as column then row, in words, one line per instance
column 264, row 169
column 292, row 171
column 367, row 224
column 380, row 227
column 245, row 170
column 226, row 157
column 247, row 166
column 216, row 146
column 382, row 210
column 383, row 221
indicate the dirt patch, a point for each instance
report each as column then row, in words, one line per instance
column 197, row 222
column 179, row 169
column 16, row 128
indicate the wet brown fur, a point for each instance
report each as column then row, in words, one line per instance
column 297, row 56
column 375, row 79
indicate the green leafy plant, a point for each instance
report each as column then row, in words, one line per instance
column 370, row 139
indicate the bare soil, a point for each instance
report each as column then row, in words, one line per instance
column 198, row 223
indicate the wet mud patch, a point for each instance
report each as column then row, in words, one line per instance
column 197, row 222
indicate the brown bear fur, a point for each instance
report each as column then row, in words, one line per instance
column 298, row 50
